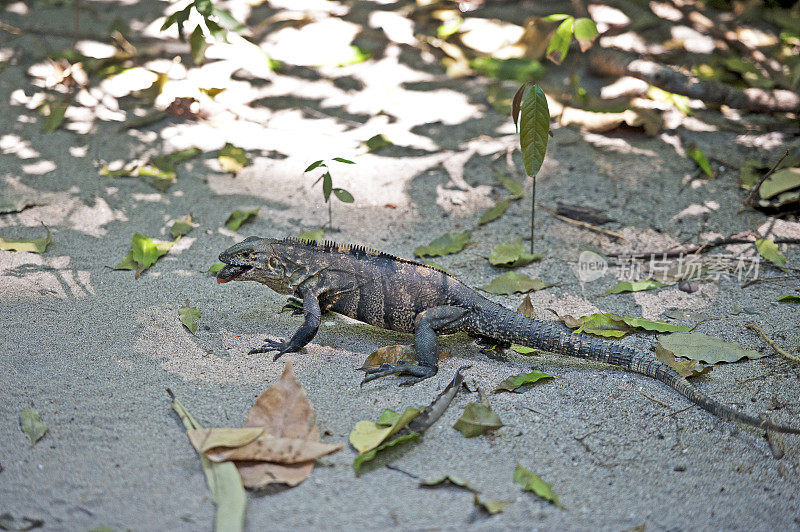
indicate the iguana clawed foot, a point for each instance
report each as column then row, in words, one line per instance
column 418, row 373
column 281, row 346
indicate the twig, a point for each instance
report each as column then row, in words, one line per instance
column 579, row 223
column 778, row 349
column 750, row 200
column 679, row 411
column 697, row 248
column 395, row 468
column 659, row 401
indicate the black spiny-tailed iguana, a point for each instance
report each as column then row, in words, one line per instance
column 406, row 296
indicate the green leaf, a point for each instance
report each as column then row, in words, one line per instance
column 359, row 460
column 189, row 316
column 703, row 348
column 227, row 20
column 55, row 116
column 495, row 212
column 238, row 217
column 794, row 298
column 559, row 42
column 531, row 482
column 615, row 326
column 313, row 236
column 511, row 184
column 224, row 482
column 635, row 286
column 511, row 255
column 181, row 226
column 315, row 164
column 514, row 69
column 679, row 101
column 343, row 195
column 477, row 419
column 768, row 249
column 143, row 254
column 699, row 157
column 513, row 282
column 555, row 17
column 367, row 435
column 327, row 185
column 780, row 181
column 214, row 268
column 749, row 173
column 512, row 383
column 179, row 18
column 534, row 128
column 524, row 350
column 378, row 142
column 658, row 326
column 31, row 425
column 160, row 178
column 444, row 245
column 585, row 32
column 232, row 159
column 197, row 45
column 449, row 27
column 357, row 55
column 342, row 160
column 36, row 245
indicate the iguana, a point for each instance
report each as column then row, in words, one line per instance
column 407, row 296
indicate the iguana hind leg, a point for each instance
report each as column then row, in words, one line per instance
column 427, row 325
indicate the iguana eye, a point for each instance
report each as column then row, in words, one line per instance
column 273, row 263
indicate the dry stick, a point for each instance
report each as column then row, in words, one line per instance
column 697, row 248
column 611, row 62
column 659, row 401
column 751, row 198
column 579, row 223
column 778, row 349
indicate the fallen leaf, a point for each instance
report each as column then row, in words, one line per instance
column 789, row 298
column 531, row 482
column 494, row 212
column 616, row 326
column 378, row 142
column 582, row 213
column 31, row 425
column 780, row 181
column 523, row 350
column 514, row 69
column 143, row 254
column 685, row 368
column 267, row 448
column 768, row 249
column 447, row 480
column 750, row 173
column 633, row 286
column 679, row 101
column 513, row 282
column 526, row 307
column 223, row 481
column 694, row 153
column 367, row 456
column 514, row 382
column 392, row 354
column 703, row 348
column 181, row 226
column 657, row 326
column 283, row 411
column 189, row 316
column 444, row 245
column 313, row 236
column 54, row 116
column 238, row 217
column 36, row 245
column 232, row 159
column 367, row 435
column 214, row 268
column 477, row 419
column 9, row 205
column 207, row 439
column 601, row 122
column 513, row 186
column 511, row 255
column 492, row 507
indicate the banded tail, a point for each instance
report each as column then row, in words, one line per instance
column 554, row 337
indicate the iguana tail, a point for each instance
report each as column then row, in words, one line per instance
column 554, row 337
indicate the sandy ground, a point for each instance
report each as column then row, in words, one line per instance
column 93, row 349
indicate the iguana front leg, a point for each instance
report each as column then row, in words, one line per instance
column 427, row 325
column 304, row 334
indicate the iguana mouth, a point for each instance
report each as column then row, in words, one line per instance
column 231, row 272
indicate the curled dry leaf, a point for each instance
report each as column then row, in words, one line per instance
column 391, row 354
column 283, row 411
column 267, row 448
column 684, row 367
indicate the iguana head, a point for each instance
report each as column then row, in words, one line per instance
column 258, row 259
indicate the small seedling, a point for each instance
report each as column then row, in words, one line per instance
column 327, row 185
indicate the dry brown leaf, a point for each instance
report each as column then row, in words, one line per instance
column 684, row 367
column 267, row 448
column 283, row 411
column 526, row 307
column 649, row 120
column 391, row 354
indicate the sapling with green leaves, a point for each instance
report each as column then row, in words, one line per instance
column 218, row 22
column 327, row 185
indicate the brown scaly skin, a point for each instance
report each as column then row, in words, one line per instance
column 406, row 296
